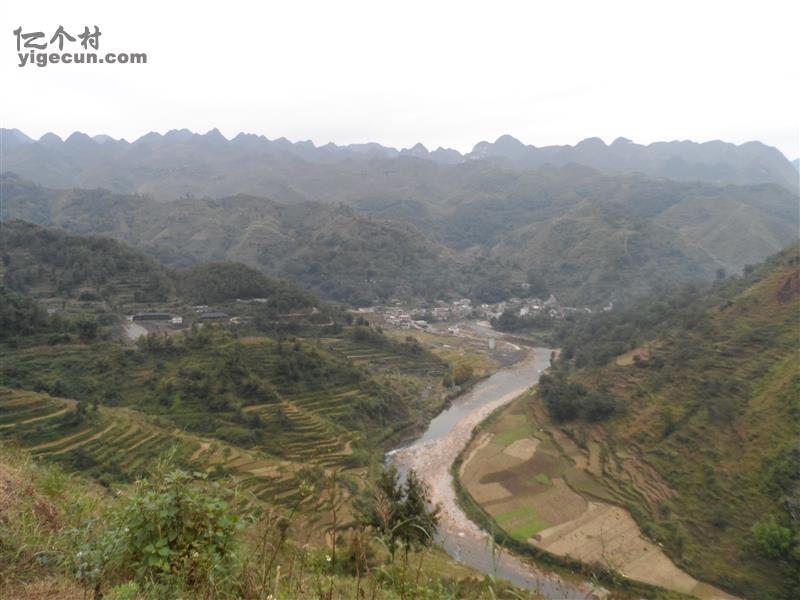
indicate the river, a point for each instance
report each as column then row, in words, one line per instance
column 432, row 454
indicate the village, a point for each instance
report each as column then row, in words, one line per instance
column 402, row 315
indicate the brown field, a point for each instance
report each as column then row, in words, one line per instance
column 541, row 487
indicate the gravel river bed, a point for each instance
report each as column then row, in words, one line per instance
column 432, row 454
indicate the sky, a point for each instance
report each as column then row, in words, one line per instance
column 438, row 72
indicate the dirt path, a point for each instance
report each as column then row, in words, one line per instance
column 134, row 331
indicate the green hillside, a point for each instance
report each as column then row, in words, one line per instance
column 282, row 433
column 582, row 235
column 331, row 249
column 219, row 282
column 48, row 263
column 294, row 399
column 78, row 276
column 689, row 406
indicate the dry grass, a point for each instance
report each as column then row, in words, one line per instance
column 48, row 588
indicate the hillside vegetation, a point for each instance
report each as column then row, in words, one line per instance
column 77, row 275
column 586, row 237
column 272, row 484
column 688, row 407
column 48, row 263
column 174, row 534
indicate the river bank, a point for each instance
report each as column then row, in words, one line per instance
column 432, row 455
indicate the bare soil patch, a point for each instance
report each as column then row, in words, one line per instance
column 523, row 449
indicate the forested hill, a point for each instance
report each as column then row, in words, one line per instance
column 584, row 236
column 332, row 249
column 216, row 282
column 700, row 389
column 49, row 264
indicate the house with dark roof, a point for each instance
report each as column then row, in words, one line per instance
column 214, row 316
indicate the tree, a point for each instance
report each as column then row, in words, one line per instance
column 420, row 521
column 774, row 540
column 400, row 512
column 537, row 283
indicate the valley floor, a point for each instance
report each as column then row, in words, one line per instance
column 537, row 485
column 432, row 456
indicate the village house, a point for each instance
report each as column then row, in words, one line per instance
column 151, row 316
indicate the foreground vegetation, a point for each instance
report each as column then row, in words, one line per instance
column 174, row 534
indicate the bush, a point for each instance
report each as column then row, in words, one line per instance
column 567, row 401
column 774, row 540
column 169, row 533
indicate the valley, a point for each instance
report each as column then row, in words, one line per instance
column 400, row 301
column 575, row 380
column 594, row 465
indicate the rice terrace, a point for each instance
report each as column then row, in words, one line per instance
column 541, row 488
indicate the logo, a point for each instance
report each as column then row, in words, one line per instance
column 79, row 47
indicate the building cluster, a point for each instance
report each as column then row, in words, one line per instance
column 401, row 316
column 535, row 307
column 525, row 307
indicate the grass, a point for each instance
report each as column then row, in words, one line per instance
column 52, row 525
column 505, row 438
column 522, row 523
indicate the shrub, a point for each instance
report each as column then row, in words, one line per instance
column 172, row 532
column 774, row 540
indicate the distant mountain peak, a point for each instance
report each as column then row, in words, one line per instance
column 417, row 149
column 14, row 136
column 507, row 140
column 215, row 134
column 78, row 137
column 178, row 134
column 103, row 138
column 594, row 142
column 152, row 136
column 50, row 139
column 713, row 161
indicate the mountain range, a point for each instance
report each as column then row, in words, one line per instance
column 586, row 236
column 181, row 162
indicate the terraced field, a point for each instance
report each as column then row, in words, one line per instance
column 302, row 409
column 309, row 435
column 365, row 354
column 541, row 488
column 122, row 444
column 105, row 440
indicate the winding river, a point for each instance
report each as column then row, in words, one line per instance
column 432, row 454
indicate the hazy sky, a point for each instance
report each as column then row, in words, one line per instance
column 441, row 73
